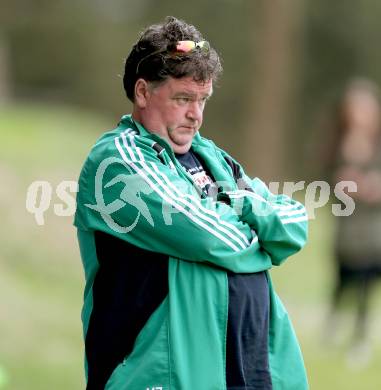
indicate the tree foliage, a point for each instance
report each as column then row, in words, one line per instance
column 284, row 62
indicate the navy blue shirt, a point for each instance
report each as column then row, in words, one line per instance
column 247, row 363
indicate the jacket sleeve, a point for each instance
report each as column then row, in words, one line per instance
column 279, row 221
column 125, row 190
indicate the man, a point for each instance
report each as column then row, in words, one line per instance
column 176, row 240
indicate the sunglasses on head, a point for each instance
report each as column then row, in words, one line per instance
column 188, row 46
column 178, row 48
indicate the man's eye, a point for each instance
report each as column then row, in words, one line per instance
column 183, row 100
column 203, row 101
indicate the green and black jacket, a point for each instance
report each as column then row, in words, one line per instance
column 141, row 220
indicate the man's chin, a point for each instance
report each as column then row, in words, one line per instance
column 181, row 148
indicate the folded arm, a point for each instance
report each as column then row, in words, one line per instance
column 131, row 194
column 280, row 222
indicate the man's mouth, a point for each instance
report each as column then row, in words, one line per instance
column 188, row 127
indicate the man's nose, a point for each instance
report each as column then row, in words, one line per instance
column 194, row 111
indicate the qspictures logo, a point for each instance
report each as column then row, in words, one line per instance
column 124, row 195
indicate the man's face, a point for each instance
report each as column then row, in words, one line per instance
column 174, row 110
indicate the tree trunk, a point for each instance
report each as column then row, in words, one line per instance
column 271, row 87
column 4, row 72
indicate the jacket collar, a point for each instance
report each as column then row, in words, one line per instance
column 200, row 145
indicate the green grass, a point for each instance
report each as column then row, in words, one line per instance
column 41, row 277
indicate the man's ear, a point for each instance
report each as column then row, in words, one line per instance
column 141, row 93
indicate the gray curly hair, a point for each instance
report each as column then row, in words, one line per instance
column 151, row 59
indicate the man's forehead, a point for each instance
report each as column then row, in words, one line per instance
column 190, row 86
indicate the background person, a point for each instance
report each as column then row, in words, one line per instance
column 356, row 156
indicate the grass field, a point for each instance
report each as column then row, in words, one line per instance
column 41, row 277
